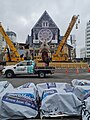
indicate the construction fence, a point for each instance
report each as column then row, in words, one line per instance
column 71, row 70
column 65, row 65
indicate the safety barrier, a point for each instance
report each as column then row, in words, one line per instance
column 64, row 65
column 71, row 70
column 58, row 64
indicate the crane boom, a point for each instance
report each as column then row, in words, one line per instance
column 8, row 41
column 15, row 55
column 67, row 33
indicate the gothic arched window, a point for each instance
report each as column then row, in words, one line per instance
column 45, row 24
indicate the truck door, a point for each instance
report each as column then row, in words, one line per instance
column 21, row 68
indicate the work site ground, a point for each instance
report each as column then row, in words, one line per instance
column 63, row 75
column 59, row 76
column 72, row 70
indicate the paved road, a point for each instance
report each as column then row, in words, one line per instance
column 57, row 77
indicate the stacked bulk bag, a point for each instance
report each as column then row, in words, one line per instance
column 82, row 91
column 58, row 99
column 5, row 86
column 81, row 88
column 20, row 102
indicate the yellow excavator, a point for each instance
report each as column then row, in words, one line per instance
column 60, row 55
column 13, row 54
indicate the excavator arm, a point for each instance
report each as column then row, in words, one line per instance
column 55, row 56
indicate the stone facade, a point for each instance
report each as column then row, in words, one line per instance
column 45, row 37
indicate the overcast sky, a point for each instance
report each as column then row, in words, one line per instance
column 21, row 15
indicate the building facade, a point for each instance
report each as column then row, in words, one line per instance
column 12, row 36
column 83, row 53
column 87, row 40
column 45, row 38
column 3, row 44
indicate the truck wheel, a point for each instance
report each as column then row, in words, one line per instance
column 9, row 74
column 41, row 74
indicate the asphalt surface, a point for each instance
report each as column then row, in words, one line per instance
column 59, row 76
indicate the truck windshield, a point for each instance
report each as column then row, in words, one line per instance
column 22, row 64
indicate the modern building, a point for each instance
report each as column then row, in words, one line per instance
column 83, row 53
column 45, row 38
column 73, row 43
column 12, row 36
column 87, row 40
column 1, row 56
column 3, row 44
column 0, row 43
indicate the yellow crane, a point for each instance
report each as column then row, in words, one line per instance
column 13, row 55
column 59, row 55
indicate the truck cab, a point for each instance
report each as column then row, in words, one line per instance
column 25, row 67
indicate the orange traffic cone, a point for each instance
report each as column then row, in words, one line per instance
column 66, row 71
column 88, row 70
column 77, row 71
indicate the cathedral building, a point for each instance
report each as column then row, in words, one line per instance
column 45, row 38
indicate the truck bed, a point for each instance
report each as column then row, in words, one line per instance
column 47, row 67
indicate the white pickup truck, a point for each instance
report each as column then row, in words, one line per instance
column 26, row 67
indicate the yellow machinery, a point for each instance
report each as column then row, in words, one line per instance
column 13, row 55
column 59, row 55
